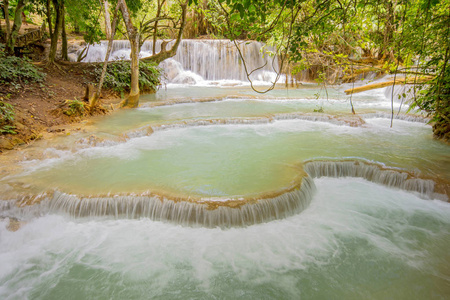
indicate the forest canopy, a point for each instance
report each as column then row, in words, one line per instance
column 333, row 39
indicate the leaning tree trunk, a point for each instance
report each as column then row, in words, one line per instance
column 132, row 100
column 164, row 53
column 94, row 99
column 11, row 41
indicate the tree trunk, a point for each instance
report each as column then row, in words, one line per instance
column 76, row 27
column 8, row 25
column 59, row 9
column 132, row 100
column 372, row 86
column 385, row 50
column 64, row 53
column 165, row 54
column 108, row 27
column 158, row 13
column 94, row 100
column 49, row 19
column 16, row 27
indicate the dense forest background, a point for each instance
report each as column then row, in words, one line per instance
column 334, row 40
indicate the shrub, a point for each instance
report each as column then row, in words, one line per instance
column 16, row 71
column 76, row 108
column 118, row 76
column 6, row 118
column 5, row 129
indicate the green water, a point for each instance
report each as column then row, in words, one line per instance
column 279, row 101
column 356, row 240
column 234, row 160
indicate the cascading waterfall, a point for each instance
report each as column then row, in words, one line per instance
column 404, row 117
column 199, row 60
column 219, row 59
column 352, row 121
column 375, row 173
column 400, row 92
column 189, row 213
column 218, row 212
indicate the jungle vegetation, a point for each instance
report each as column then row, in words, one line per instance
column 336, row 40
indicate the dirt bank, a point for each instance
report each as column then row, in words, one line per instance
column 44, row 107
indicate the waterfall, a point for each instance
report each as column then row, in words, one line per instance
column 404, row 117
column 372, row 172
column 400, row 92
column 199, row 60
column 185, row 212
column 210, row 213
column 219, row 59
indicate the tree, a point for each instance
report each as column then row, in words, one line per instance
column 11, row 35
column 6, row 14
column 147, row 28
column 137, row 38
column 112, row 31
column 133, row 36
column 333, row 37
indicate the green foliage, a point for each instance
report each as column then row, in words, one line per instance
column 85, row 16
column 334, row 36
column 6, row 113
column 118, row 76
column 76, row 108
column 319, row 109
column 17, row 71
column 6, row 118
column 8, row 129
column 435, row 98
column 254, row 18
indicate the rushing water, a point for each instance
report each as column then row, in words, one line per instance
column 357, row 240
column 201, row 193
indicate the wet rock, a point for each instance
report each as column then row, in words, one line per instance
column 72, row 57
column 5, row 187
column 5, row 144
column 14, row 224
column 17, row 141
column 35, row 136
column 55, row 130
column 19, row 126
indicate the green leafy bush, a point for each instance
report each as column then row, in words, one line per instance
column 6, row 118
column 76, row 108
column 6, row 113
column 5, row 129
column 16, row 71
column 118, row 76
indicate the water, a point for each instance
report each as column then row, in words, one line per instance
column 205, row 62
column 230, row 160
column 343, row 246
column 212, row 191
